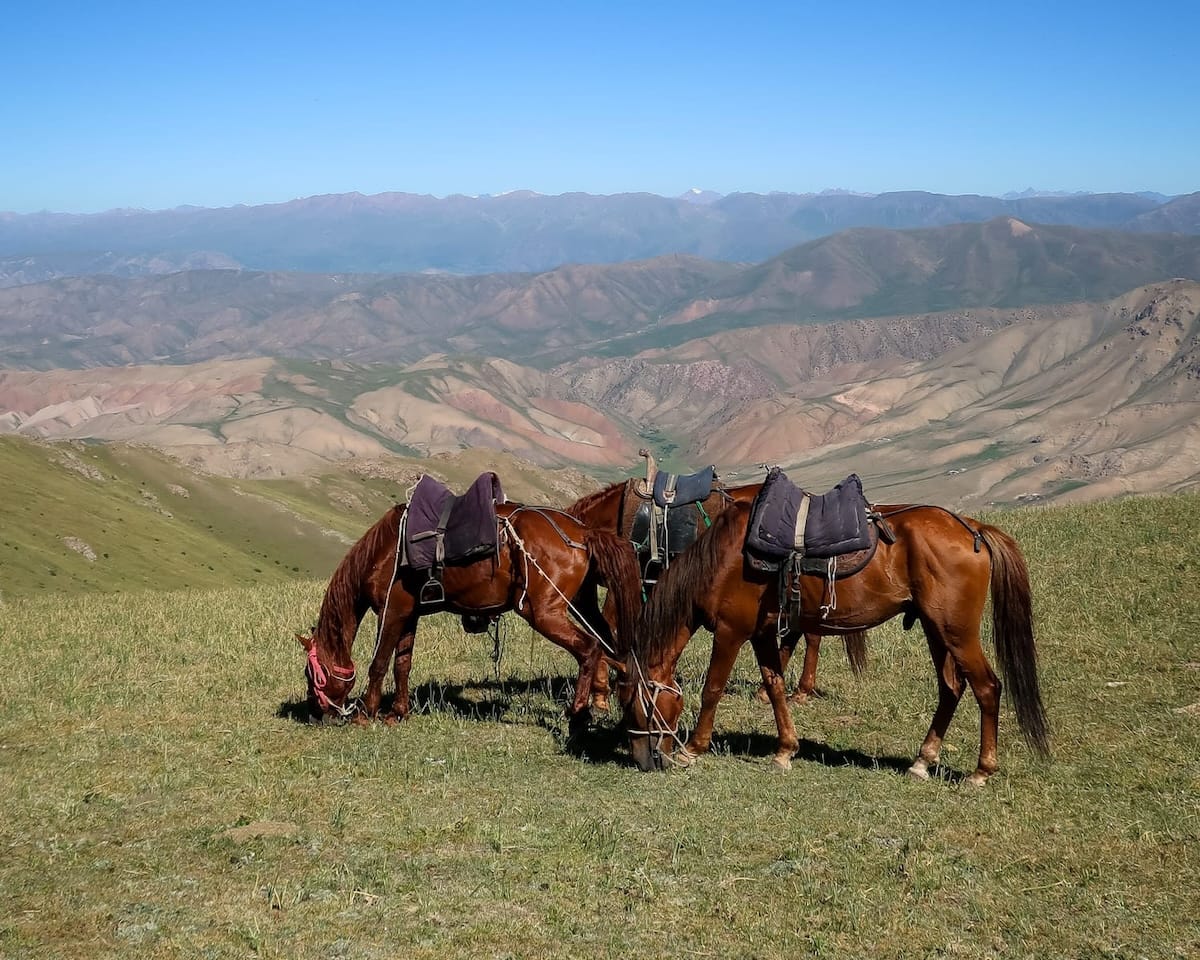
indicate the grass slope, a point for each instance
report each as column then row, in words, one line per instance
column 153, row 524
column 161, row 802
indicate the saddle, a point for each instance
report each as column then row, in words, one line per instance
column 664, row 517
column 790, row 525
column 441, row 528
column 672, row 490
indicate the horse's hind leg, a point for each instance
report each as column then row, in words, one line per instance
column 950, row 688
column 963, row 657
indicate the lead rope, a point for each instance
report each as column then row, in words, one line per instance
column 387, row 597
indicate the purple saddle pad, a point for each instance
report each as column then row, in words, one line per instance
column 442, row 528
column 836, row 522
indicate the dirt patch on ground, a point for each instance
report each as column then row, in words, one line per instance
column 261, row 828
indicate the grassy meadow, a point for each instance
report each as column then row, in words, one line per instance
column 161, row 798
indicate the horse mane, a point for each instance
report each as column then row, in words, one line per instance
column 689, row 577
column 585, row 503
column 348, row 583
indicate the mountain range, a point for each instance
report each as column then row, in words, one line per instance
column 521, row 231
column 1001, row 360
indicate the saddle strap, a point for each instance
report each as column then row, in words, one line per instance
column 801, row 520
column 443, row 520
column 669, row 489
column 545, row 515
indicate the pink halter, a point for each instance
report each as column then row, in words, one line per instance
column 320, row 678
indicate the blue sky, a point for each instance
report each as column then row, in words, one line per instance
column 155, row 105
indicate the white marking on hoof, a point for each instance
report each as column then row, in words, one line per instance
column 976, row 780
column 919, row 770
column 783, row 763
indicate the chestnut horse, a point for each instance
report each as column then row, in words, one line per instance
column 604, row 509
column 937, row 571
column 547, row 566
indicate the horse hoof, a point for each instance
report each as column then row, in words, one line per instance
column 919, row 770
column 683, row 758
column 799, row 697
column 361, row 720
column 761, row 695
column 391, row 719
column 782, row 763
column 976, row 780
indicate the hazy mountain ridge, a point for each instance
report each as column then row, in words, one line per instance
column 528, row 232
column 555, row 317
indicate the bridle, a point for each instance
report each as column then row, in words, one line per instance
column 318, row 676
column 647, row 692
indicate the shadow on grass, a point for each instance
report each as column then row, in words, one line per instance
column 507, row 702
column 756, row 745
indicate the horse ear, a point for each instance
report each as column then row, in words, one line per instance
column 305, row 642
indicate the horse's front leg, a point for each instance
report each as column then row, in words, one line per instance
column 401, row 669
column 766, row 652
column 396, row 617
column 724, row 653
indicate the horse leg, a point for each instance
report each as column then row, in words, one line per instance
column 399, row 612
column 549, row 618
column 986, row 687
column 950, row 688
column 400, row 670
column 603, row 622
column 807, row 686
column 964, row 658
column 724, row 653
column 770, row 664
column 808, row 674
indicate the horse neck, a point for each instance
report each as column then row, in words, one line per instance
column 358, row 584
column 601, row 511
column 686, row 595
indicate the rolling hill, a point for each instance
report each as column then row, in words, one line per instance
column 109, row 516
column 1074, row 400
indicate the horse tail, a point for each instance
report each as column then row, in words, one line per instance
column 856, row 651
column 1012, row 628
column 617, row 564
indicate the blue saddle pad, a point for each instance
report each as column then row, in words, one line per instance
column 690, row 489
column 442, row 528
column 837, row 522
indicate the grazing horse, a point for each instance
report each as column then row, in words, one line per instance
column 608, row 509
column 547, row 565
column 937, row 571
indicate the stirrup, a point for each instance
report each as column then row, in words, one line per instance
column 432, row 591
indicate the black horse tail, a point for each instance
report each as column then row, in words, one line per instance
column 856, row 652
column 1012, row 628
column 616, row 562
